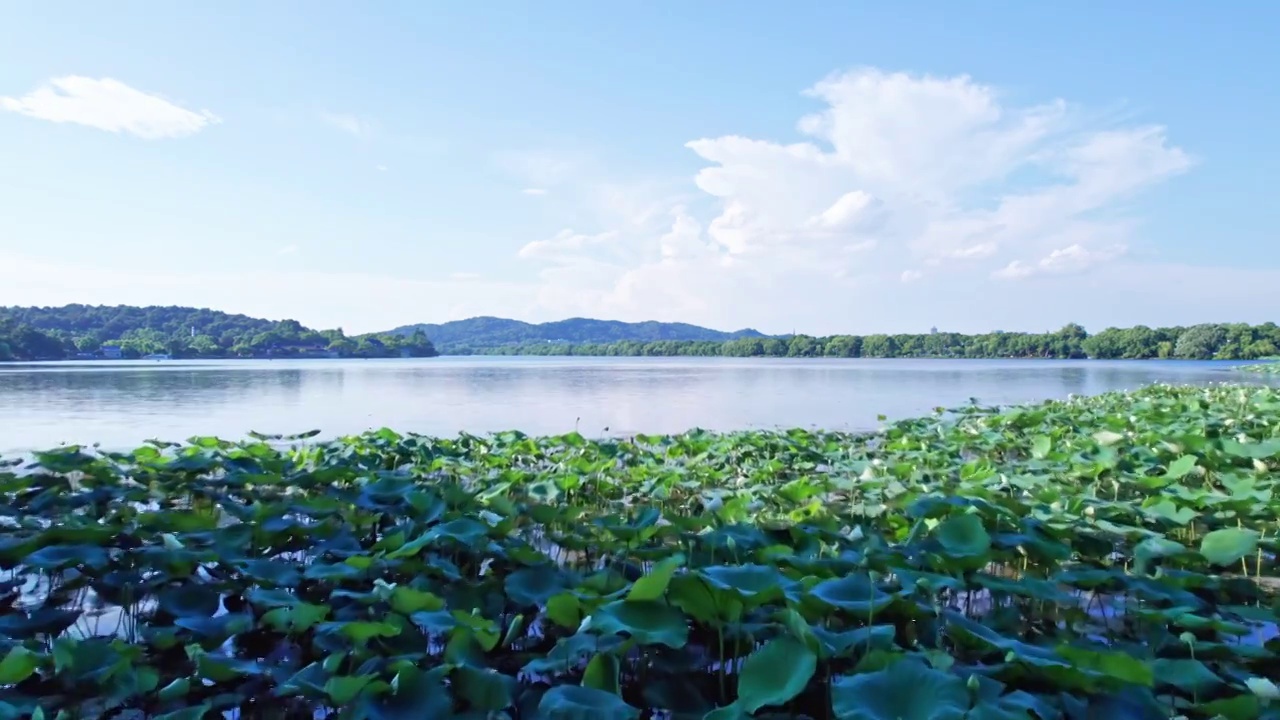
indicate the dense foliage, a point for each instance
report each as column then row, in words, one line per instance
column 1106, row 557
column 463, row 337
column 57, row 333
column 1199, row 342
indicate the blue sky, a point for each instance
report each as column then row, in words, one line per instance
column 818, row 167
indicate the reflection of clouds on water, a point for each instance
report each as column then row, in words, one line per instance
column 121, row 404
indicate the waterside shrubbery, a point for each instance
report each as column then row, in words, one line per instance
column 1105, row 557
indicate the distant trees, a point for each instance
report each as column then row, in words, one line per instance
column 62, row 332
column 1201, row 342
column 58, row 333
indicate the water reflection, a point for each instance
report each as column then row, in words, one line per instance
column 121, row 404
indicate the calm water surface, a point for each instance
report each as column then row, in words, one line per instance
column 120, row 404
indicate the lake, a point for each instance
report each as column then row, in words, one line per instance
column 120, row 404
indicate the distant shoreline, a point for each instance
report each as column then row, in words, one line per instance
column 1229, row 363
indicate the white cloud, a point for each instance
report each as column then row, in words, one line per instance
column 287, row 250
column 534, row 191
column 1063, row 261
column 565, row 244
column 895, row 170
column 110, row 105
column 351, row 124
column 380, row 168
column 464, row 276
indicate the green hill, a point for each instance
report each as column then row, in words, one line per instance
column 489, row 332
column 71, row 331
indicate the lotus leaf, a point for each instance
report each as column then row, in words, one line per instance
column 906, row 690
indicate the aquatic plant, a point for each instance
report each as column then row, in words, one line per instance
column 1108, row 557
column 1266, row 368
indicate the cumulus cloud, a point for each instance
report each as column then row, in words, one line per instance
column 894, row 169
column 110, row 105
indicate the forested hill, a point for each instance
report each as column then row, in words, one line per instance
column 482, row 333
column 89, row 331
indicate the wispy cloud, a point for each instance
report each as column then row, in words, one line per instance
column 464, row 276
column 565, row 243
column 287, row 250
column 110, row 105
column 534, row 191
column 351, row 124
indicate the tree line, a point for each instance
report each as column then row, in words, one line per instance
column 1230, row 341
column 86, row 331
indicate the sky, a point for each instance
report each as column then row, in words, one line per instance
column 813, row 167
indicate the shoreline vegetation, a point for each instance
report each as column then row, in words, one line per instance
column 1104, row 556
column 79, row 332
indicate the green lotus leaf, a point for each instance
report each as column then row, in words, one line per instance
column 650, row 623
column 654, row 584
column 1153, row 549
column 1189, row 675
column 602, row 673
column 342, row 689
column 414, row 694
column 1228, row 545
column 39, row 621
column 332, row 572
column 1181, row 467
column 483, row 689
column 565, row 610
column 573, row 651
column 360, row 631
column 57, row 557
column 1241, row 707
column 175, row 690
column 1119, row 665
column 18, row 665
column 295, row 618
column 272, row 572
column 852, row 593
column 224, row 669
column 189, row 600
column 535, row 586
column 963, row 536
column 407, row 600
column 906, row 690
column 775, row 673
column 760, row 583
column 572, row 702
column 693, row 594
column 214, row 630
